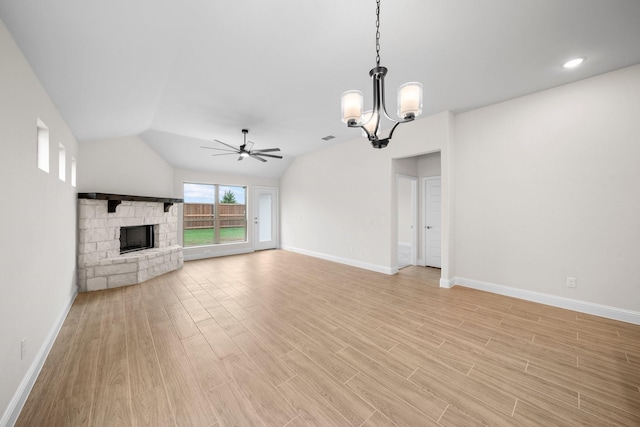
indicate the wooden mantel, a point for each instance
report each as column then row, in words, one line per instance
column 113, row 200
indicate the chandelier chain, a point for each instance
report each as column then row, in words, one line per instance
column 378, row 32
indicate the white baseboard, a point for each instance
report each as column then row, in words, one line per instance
column 609, row 312
column 22, row 393
column 445, row 283
column 347, row 261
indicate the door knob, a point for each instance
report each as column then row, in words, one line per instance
column 429, row 227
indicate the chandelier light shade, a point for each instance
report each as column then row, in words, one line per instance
column 352, row 102
column 409, row 101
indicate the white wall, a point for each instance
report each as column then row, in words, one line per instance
column 339, row 203
column 548, row 186
column 429, row 165
column 37, row 228
column 123, row 166
column 405, row 212
column 182, row 176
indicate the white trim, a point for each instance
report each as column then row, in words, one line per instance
column 275, row 222
column 609, row 312
column 354, row 263
column 16, row 404
column 446, row 283
column 213, row 254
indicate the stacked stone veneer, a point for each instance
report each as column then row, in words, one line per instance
column 100, row 264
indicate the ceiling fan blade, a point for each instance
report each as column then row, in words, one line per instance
column 266, row 150
column 227, row 145
column 240, row 158
column 219, row 149
column 223, row 154
column 249, row 145
column 267, row 155
column 256, row 157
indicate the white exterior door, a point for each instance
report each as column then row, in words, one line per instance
column 432, row 221
column 265, row 218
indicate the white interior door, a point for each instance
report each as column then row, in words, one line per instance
column 432, row 221
column 265, row 218
column 406, row 194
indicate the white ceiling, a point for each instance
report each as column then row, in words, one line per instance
column 182, row 73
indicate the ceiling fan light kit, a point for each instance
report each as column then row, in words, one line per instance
column 409, row 101
column 245, row 150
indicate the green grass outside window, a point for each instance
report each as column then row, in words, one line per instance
column 205, row 236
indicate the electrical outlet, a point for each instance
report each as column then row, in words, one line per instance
column 23, row 348
column 571, row 282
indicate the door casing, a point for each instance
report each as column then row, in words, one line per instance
column 432, row 235
column 273, row 221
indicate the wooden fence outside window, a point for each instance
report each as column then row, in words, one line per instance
column 200, row 215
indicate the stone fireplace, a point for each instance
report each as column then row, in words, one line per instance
column 125, row 240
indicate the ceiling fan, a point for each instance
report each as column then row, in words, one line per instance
column 245, row 150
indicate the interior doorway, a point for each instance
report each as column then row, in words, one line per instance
column 428, row 243
column 265, row 218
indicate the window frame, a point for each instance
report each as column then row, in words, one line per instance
column 216, row 215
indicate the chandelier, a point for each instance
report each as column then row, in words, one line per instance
column 409, row 101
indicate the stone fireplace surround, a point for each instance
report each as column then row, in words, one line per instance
column 100, row 216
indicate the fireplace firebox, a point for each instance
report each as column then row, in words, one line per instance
column 136, row 238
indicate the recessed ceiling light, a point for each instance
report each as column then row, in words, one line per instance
column 572, row 63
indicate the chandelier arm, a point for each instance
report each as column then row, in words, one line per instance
column 373, row 137
column 361, row 126
column 407, row 120
column 393, row 129
column 382, row 104
column 375, row 114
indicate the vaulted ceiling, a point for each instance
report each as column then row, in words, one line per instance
column 182, row 73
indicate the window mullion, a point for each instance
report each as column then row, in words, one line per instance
column 216, row 215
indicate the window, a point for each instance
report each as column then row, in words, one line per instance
column 73, row 171
column 214, row 214
column 43, row 146
column 62, row 162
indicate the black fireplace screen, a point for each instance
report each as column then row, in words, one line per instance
column 136, row 238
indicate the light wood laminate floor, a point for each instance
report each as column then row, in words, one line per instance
column 281, row 339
